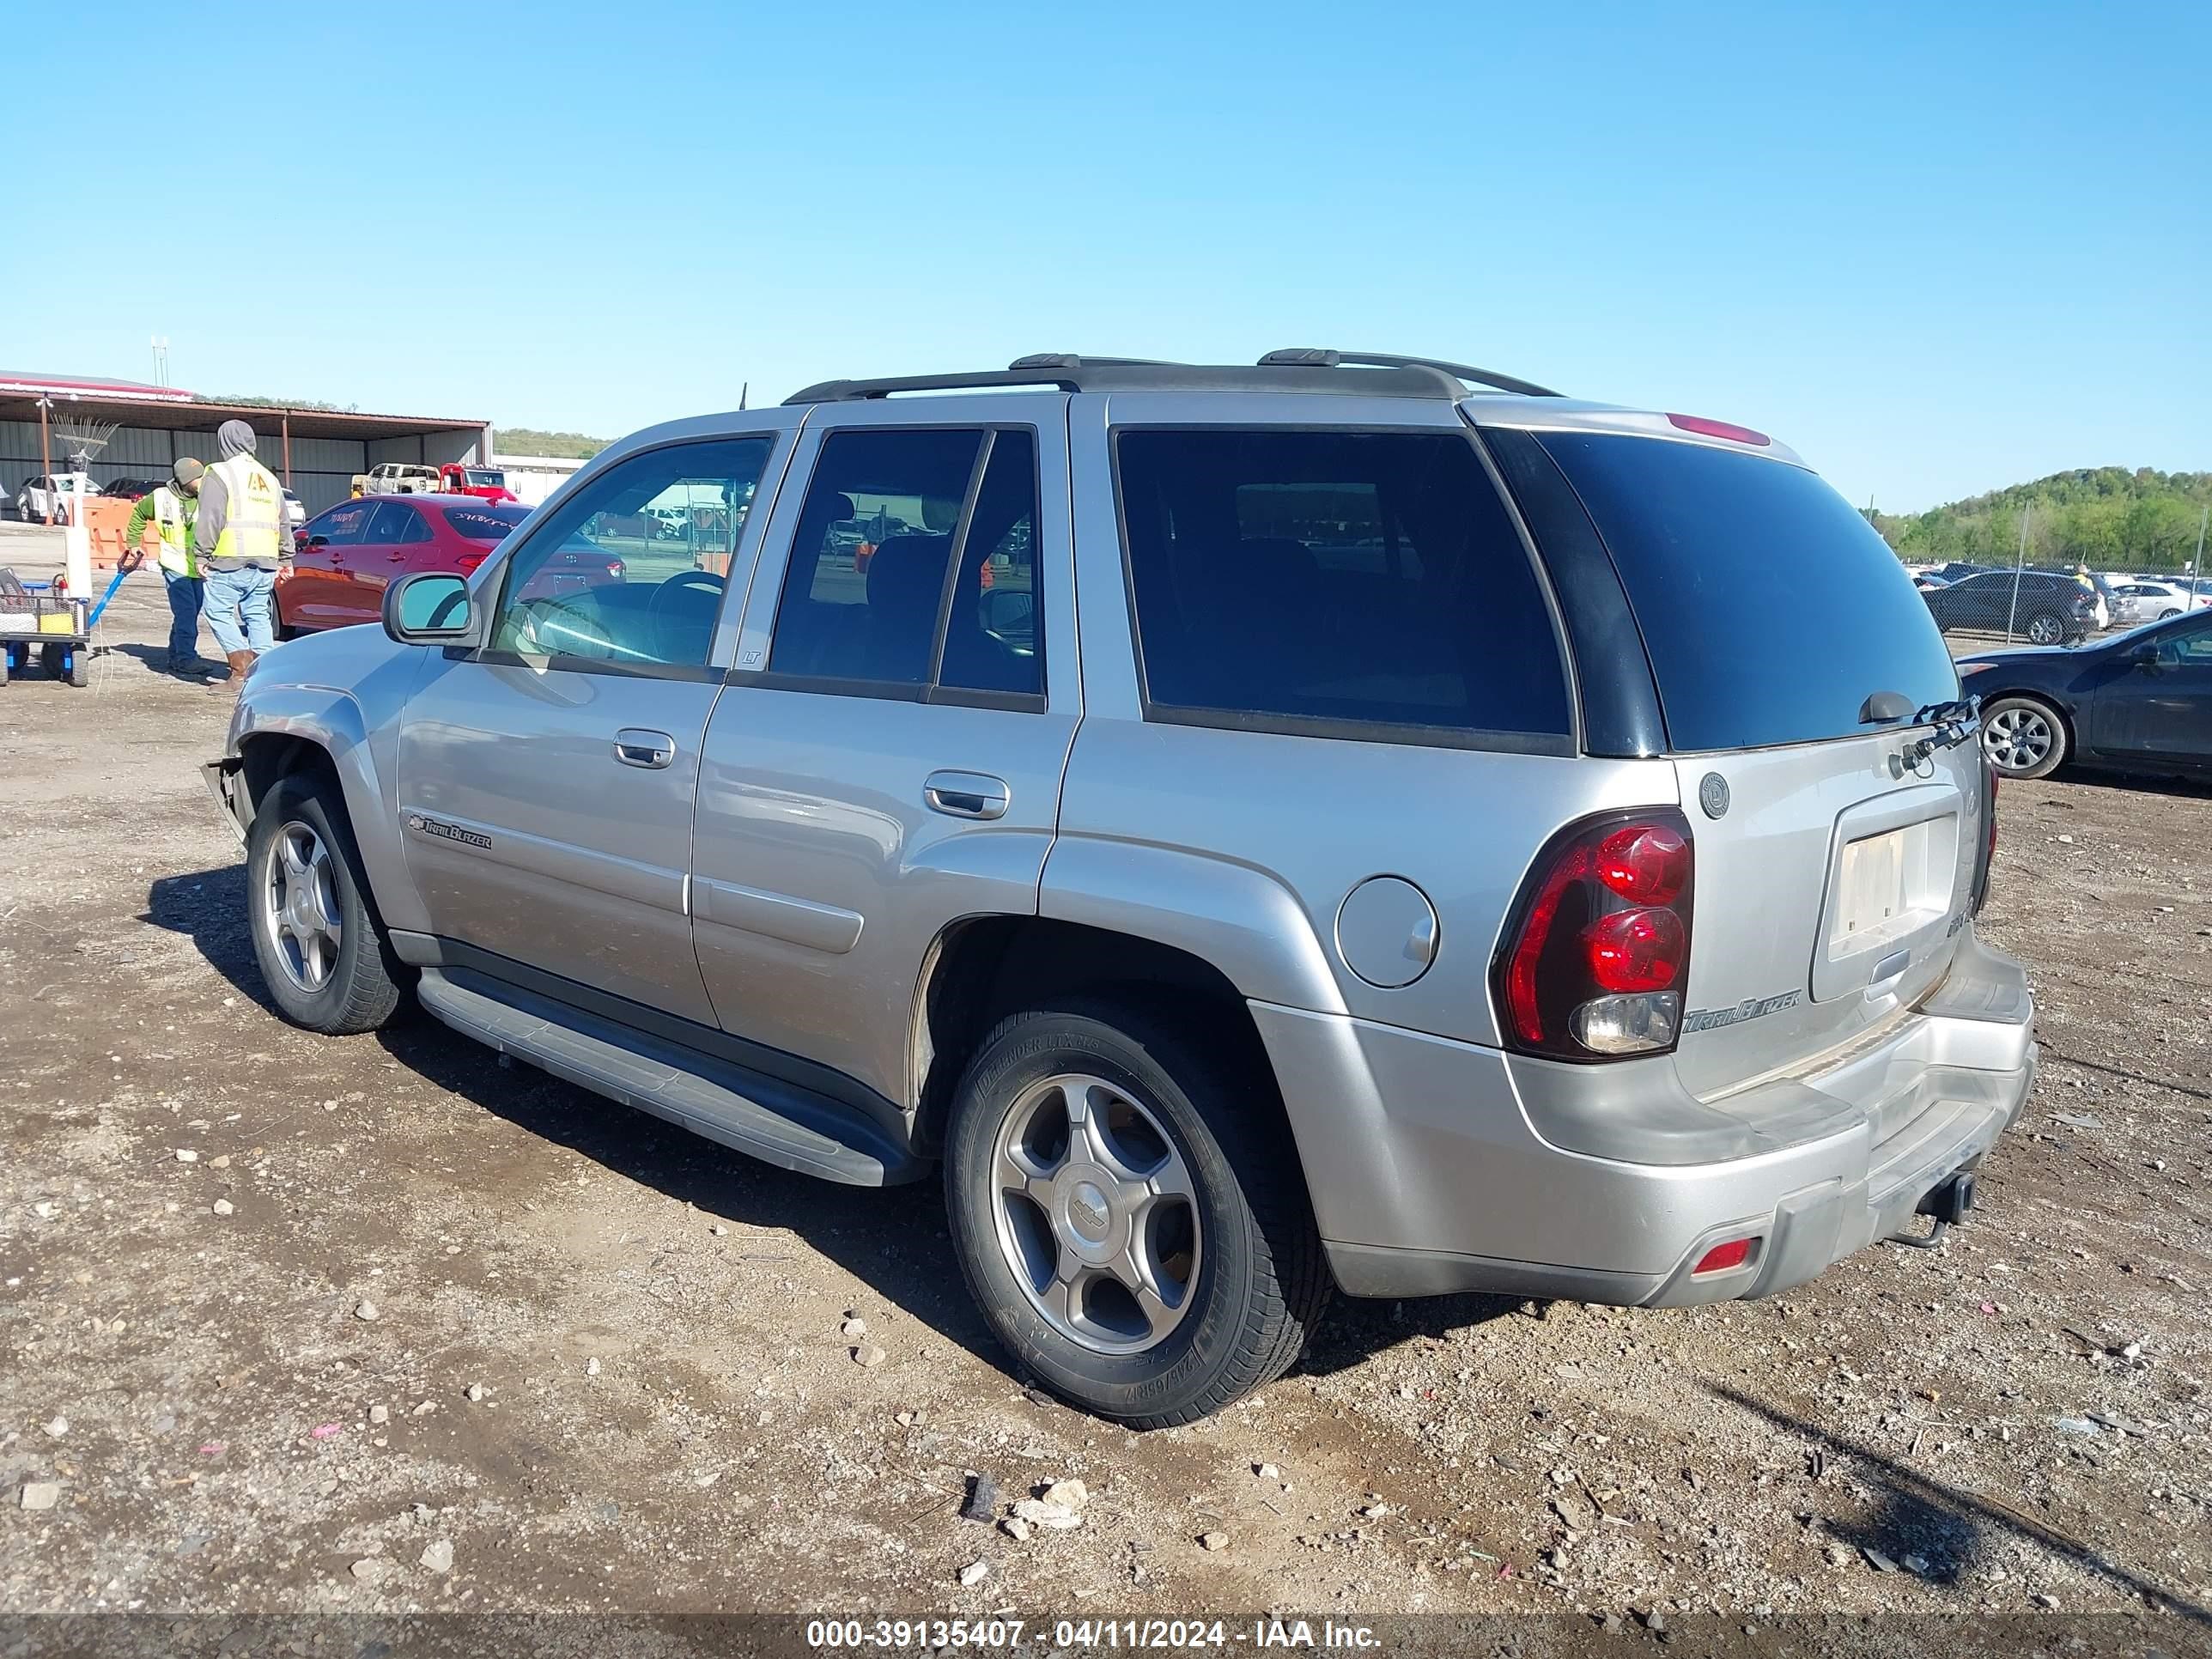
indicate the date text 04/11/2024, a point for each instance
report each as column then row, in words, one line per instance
column 1169, row 1634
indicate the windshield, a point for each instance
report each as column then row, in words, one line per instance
column 479, row 476
column 1727, row 557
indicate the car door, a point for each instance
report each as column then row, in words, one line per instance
column 313, row 594
column 546, row 771
column 394, row 546
column 2156, row 707
column 887, row 757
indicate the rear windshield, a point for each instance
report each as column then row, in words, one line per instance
column 1770, row 609
column 489, row 524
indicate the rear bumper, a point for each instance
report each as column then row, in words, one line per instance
column 1431, row 1171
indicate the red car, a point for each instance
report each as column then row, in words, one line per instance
column 347, row 556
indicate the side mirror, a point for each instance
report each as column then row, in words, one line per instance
column 429, row 608
column 2144, row 655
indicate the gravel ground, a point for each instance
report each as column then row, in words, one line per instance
column 294, row 1324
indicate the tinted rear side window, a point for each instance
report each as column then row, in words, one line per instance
column 1306, row 581
column 1770, row 609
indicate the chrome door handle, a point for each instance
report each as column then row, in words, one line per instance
column 637, row 745
column 967, row 794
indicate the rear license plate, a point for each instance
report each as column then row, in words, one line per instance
column 1872, row 902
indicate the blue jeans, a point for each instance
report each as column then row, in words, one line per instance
column 238, row 605
column 186, row 599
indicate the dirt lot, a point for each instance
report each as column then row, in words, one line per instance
column 288, row 1320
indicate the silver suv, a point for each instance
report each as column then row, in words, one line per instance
column 1344, row 820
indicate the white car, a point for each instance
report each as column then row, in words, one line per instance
column 295, row 511
column 2153, row 601
column 40, row 499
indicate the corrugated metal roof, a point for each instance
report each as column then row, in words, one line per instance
column 93, row 385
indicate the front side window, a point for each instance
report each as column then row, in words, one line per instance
column 2190, row 644
column 343, row 526
column 1293, row 579
column 910, row 567
column 601, row 581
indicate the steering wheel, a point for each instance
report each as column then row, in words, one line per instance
column 683, row 582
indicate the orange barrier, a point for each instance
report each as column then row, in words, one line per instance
column 105, row 519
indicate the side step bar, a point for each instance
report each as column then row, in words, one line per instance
column 789, row 1127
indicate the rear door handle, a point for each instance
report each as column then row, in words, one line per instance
column 967, row 794
column 638, row 745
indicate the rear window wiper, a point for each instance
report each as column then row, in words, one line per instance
column 1955, row 722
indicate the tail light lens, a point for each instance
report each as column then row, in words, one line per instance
column 469, row 562
column 1598, row 946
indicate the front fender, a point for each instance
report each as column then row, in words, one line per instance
column 356, row 729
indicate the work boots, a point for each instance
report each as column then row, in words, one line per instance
column 239, row 662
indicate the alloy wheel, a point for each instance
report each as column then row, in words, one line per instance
column 2017, row 739
column 299, row 907
column 2046, row 630
column 1096, row 1213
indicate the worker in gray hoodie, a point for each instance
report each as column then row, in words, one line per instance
column 243, row 548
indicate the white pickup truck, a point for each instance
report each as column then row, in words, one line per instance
column 399, row 478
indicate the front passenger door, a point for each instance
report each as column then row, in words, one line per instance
column 2160, row 709
column 546, row 776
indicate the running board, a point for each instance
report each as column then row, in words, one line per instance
column 789, row 1127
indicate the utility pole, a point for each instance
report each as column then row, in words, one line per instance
column 2019, row 560
column 2197, row 566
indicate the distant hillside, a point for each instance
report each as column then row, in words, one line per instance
column 2105, row 517
column 529, row 440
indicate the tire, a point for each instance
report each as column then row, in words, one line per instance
column 3, row 665
column 80, row 666
column 2174, row 610
column 1236, row 1252
column 49, row 661
column 2023, row 738
column 2045, row 628
column 331, row 969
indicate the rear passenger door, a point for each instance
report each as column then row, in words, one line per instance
column 396, row 535
column 886, row 758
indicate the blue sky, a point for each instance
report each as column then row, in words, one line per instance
column 1937, row 249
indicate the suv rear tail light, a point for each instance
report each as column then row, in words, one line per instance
column 1598, row 945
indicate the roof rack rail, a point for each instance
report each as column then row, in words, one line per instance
column 1298, row 369
column 1062, row 369
column 1326, row 357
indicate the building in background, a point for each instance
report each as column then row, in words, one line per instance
column 316, row 452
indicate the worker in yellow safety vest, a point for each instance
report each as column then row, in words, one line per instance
column 243, row 548
column 171, row 510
